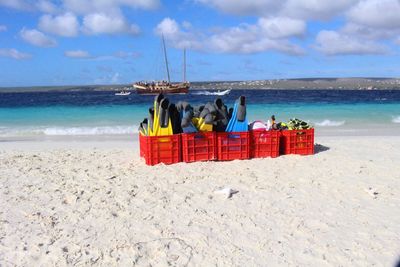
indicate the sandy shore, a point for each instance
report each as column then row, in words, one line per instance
column 79, row 203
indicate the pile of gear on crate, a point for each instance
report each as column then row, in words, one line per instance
column 178, row 132
column 166, row 118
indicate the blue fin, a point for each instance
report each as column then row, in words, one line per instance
column 231, row 122
column 238, row 122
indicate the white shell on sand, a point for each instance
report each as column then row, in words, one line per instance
column 227, row 192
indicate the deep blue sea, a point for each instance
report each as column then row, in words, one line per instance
column 103, row 113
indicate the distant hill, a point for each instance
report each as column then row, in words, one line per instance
column 306, row 83
column 372, row 83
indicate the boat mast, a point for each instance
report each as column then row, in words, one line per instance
column 165, row 57
column 184, row 65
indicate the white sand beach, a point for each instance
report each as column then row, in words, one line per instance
column 82, row 202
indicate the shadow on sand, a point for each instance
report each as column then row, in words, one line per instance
column 318, row 148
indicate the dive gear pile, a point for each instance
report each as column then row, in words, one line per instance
column 166, row 118
column 179, row 132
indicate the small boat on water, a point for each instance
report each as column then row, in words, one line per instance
column 225, row 92
column 219, row 92
column 122, row 93
column 161, row 87
column 165, row 87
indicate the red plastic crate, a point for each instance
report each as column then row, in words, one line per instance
column 264, row 144
column 160, row 149
column 201, row 146
column 235, row 145
column 299, row 142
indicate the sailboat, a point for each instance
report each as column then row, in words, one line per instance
column 165, row 87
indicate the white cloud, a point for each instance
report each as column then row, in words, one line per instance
column 46, row 6
column 37, row 38
column 85, row 7
column 245, row 38
column 99, row 23
column 298, row 9
column 66, row 25
column 13, row 53
column 122, row 54
column 176, row 36
column 281, row 27
column 168, row 26
column 16, row 4
column 79, row 6
column 99, row 16
column 366, row 20
column 240, row 7
column 105, row 6
column 186, row 25
column 3, row 28
column 146, row 4
column 370, row 33
column 376, row 13
column 368, row 23
column 119, row 55
column 315, row 9
column 77, row 54
column 334, row 43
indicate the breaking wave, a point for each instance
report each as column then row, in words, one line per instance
column 68, row 131
column 225, row 92
column 396, row 119
column 329, row 123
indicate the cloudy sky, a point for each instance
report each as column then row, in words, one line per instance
column 65, row 42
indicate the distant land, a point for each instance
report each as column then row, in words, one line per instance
column 279, row 84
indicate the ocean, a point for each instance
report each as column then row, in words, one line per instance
column 75, row 113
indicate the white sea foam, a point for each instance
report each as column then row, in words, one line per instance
column 68, row 131
column 101, row 130
column 329, row 123
column 396, row 119
column 225, row 92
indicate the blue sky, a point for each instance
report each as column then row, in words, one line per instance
column 70, row 42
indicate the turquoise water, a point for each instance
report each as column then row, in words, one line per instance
column 100, row 114
column 61, row 120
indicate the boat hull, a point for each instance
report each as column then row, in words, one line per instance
column 165, row 89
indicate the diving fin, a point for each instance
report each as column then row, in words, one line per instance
column 143, row 128
column 165, row 127
column 205, row 121
column 229, row 127
column 221, row 116
column 197, row 110
column 241, row 124
column 156, row 124
column 230, row 113
column 238, row 121
column 150, row 122
column 175, row 118
column 187, row 124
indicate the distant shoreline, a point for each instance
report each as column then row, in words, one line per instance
column 277, row 84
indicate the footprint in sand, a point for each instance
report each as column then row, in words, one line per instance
column 159, row 252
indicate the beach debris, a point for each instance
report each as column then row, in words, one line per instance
column 226, row 191
column 372, row 192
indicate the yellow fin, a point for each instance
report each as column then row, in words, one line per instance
column 204, row 127
column 166, row 130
